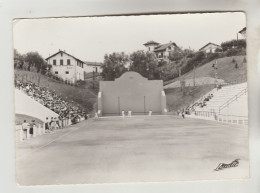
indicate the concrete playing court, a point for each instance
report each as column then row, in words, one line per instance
column 136, row 149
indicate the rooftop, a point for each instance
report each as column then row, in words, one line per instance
column 209, row 44
column 60, row 51
column 242, row 31
column 93, row 63
column 162, row 47
column 151, row 42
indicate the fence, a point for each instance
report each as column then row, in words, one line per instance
column 205, row 114
column 21, row 135
column 234, row 119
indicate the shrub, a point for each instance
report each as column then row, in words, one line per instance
column 233, row 43
column 235, row 52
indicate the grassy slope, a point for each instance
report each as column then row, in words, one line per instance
column 177, row 99
column 226, row 70
column 84, row 97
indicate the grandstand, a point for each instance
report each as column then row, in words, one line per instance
column 227, row 104
column 85, row 98
column 42, row 110
column 222, row 96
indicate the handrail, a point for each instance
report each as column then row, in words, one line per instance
column 243, row 116
column 232, row 99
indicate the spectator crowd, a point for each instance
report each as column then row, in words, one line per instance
column 51, row 100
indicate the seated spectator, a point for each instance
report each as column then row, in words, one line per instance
column 50, row 99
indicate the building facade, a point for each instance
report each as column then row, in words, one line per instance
column 162, row 51
column 92, row 67
column 66, row 66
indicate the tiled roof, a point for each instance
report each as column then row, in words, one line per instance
column 162, row 47
column 60, row 51
column 243, row 30
column 209, row 44
column 93, row 63
column 151, row 42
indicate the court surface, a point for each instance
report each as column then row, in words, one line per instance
column 136, row 149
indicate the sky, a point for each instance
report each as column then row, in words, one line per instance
column 90, row 38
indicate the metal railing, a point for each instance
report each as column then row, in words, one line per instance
column 234, row 119
column 244, row 91
column 205, row 113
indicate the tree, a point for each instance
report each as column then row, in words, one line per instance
column 18, row 59
column 145, row 63
column 244, row 60
column 34, row 59
column 236, row 65
column 114, row 65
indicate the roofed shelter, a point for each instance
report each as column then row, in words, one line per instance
column 131, row 92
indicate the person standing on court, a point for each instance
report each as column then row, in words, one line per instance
column 25, row 126
column 32, row 125
column 183, row 115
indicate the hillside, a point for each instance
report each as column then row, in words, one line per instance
column 177, row 99
column 226, row 71
column 86, row 98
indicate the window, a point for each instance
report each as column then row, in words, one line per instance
column 56, row 72
column 68, row 61
column 67, row 72
column 54, row 62
column 61, row 54
column 61, row 62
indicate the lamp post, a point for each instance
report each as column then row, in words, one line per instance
column 194, row 82
column 93, row 78
column 215, row 71
column 148, row 74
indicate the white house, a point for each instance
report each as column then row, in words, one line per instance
column 66, row 66
column 210, row 48
column 162, row 51
column 92, row 67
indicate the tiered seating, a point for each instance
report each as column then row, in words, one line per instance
column 221, row 96
column 238, row 107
